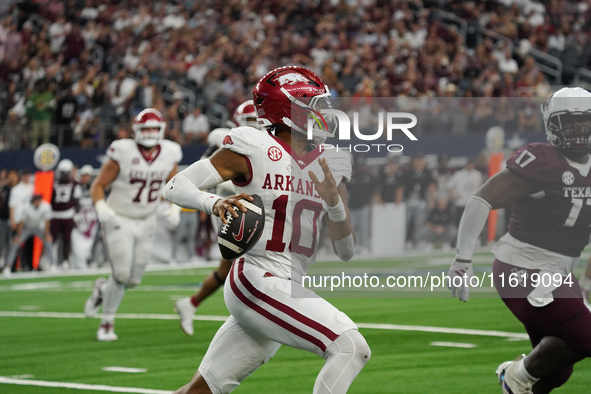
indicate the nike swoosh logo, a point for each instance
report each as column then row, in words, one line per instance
column 238, row 237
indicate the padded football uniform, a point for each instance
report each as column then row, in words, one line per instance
column 65, row 196
column 547, row 233
column 259, row 288
column 135, row 195
column 84, row 233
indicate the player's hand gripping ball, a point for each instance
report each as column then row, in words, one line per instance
column 239, row 234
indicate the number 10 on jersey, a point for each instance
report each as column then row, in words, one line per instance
column 299, row 223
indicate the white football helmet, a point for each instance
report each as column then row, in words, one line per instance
column 567, row 119
column 64, row 168
column 150, row 118
column 246, row 115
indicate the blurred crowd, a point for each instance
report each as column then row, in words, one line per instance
column 74, row 72
column 432, row 192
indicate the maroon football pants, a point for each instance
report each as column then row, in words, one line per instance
column 64, row 228
column 566, row 317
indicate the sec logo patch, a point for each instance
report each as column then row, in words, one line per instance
column 46, row 157
column 275, row 153
column 568, row 178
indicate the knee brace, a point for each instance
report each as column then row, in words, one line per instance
column 352, row 344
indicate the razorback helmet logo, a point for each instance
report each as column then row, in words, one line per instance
column 227, row 140
column 291, row 78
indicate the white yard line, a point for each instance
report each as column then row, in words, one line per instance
column 85, row 286
column 454, row 344
column 124, row 369
column 140, row 316
column 444, row 330
column 393, row 327
column 81, row 386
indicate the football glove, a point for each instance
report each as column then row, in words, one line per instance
column 104, row 212
column 173, row 215
column 458, row 269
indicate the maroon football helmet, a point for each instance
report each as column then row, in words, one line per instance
column 150, row 118
column 292, row 95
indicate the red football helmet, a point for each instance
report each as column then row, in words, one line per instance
column 246, row 115
column 292, row 95
column 150, row 118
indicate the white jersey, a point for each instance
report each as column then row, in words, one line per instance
column 136, row 191
column 20, row 197
column 216, row 138
column 293, row 209
column 35, row 218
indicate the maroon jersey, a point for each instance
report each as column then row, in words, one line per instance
column 558, row 217
column 65, row 198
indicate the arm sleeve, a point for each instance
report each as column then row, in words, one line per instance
column 472, row 223
column 185, row 188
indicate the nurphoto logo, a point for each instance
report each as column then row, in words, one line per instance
column 390, row 121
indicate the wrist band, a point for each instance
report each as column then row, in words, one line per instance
column 338, row 213
column 206, row 201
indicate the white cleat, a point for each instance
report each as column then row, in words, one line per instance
column 186, row 311
column 94, row 302
column 506, row 373
column 106, row 333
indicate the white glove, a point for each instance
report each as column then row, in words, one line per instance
column 104, row 212
column 464, row 271
column 173, row 215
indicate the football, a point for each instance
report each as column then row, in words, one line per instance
column 240, row 234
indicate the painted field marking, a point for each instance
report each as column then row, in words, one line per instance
column 87, row 286
column 394, row 327
column 26, row 376
column 454, row 344
column 444, row 330
column 28, row 307
column 81, row 386
column 139, row 316
column 125, row 369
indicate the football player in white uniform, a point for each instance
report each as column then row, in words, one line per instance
column 245, row 115
column 137, row 171
column 84, row 234
column 300, row 184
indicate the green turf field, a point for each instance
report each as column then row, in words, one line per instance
column 62, row 347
